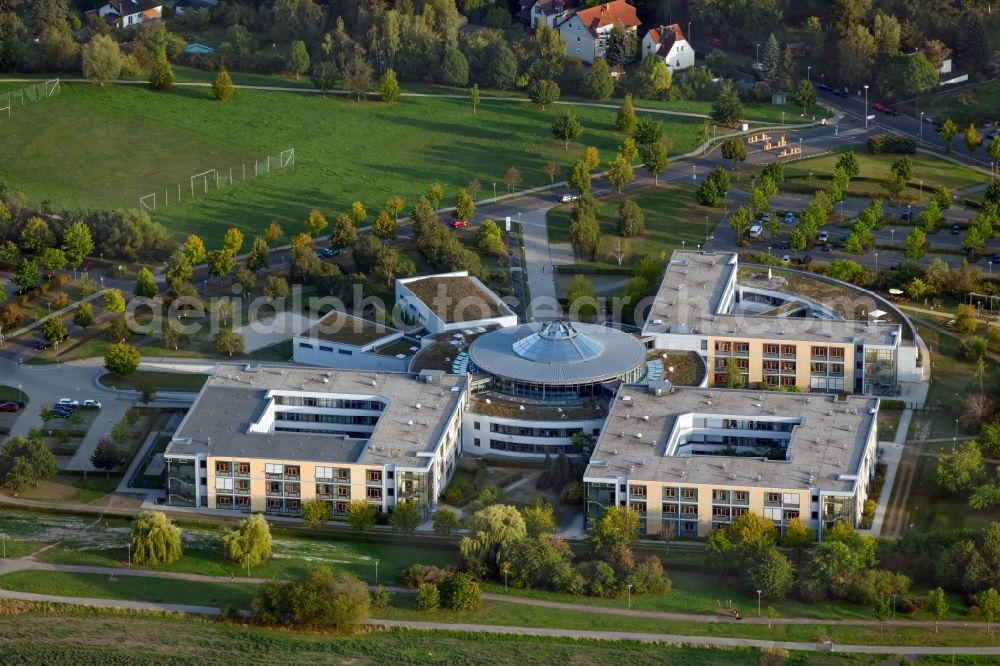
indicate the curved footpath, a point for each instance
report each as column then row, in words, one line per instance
column 11, row 566
column 642, row 637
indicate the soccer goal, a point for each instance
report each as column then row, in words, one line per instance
column 144, row 202
column 204, row 179
column 287, row 158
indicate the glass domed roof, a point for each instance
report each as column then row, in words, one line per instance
column 557, row 342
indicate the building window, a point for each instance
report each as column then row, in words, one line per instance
column 273, row 469
column 475, row 441
column 772, row 498
column 475, row 425
column 222, row 468
column 637, row 491
column 374, row 493
column 242, row 469
column 689, row 493
column 345, row 352
column 374, row 476
column 224, row 484
column 324, row 472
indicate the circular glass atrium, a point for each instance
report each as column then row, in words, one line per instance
column 558, row 359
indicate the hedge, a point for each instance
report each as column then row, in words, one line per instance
column 889, row 143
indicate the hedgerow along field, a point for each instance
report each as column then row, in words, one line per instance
column 105, row 147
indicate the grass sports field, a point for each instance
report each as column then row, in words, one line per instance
column 105, row 147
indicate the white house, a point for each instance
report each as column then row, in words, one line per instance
column 586, row 32
column 130, row 13
column 547, row 12
column 668, row 43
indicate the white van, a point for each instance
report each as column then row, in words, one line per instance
column 756, row 231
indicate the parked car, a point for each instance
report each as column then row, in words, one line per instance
column 955, row 230
column 828, row 247
column 804, row 261
column 68, row 402
column 764, row 217
column 458, row 224
column 844, row 236
column 890, row 111
column 840, row 93
column 9, row 407
column 824, row 87
column 995, row 259
column 992, row 135
column 569, row 198
column 823, row 237
column 783, row 245
column 905, row 216
column 92, row 404
column 896, row 266
column 59, row 414
column 879, row 106
column 789, row 218
column 786, row 258
column 43, row 345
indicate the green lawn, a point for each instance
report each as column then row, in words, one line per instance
column 64, row 636
column 70, row 489
column 345, row 151
column 136, row 588
column 977, row 104
column 932, row 170
column 12, row 394
column 159, row 381
column 672, row 216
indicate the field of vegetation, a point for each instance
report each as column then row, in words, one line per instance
column 672, row 216
column 344, row 151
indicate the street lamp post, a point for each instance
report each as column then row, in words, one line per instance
column 955, row 438
column 769, row 250
column 892, row 235
column 758, row 55
column 630, row 595
column 921, row 128
column 130, row 554
column 494, row 190
column 693, row 176
column 758, row 602
column 689, row 33
column 866, row 106
column 909, row 212
column 876, row 262
column 376, row 572
column 20, row 393
column 808, row 71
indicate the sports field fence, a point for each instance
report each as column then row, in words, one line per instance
column 211, row 180
column 24, row 96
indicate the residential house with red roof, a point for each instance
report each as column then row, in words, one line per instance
column 668, row 43
column 546, row 12
column 586, row 32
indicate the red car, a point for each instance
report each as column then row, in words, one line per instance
column 458, row 224
column 9, row 407
column 878, row 106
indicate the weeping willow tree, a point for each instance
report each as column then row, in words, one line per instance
column 250, row 543
column 155, row 539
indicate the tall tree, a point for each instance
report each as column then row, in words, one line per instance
column 625, row 120
column 727, row 108
column 344, row 233
column 145, row 285
column 771, row 64
column 654, row 158
column 599, row 85
column 298, row 58
column 949, row 130
column 249, row 544
column 566, row 128
column 77, row 243
column 973, row 139
column 102, row 59
column 856, row 53
column 222, row 86
column 620, row 173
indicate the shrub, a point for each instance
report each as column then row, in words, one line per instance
column 905, row 606
column 888, row 143
column 380, row 598
column 459, row 591
column 650, row 578
column 601, row 581
column 428, row 597
column 420, row 574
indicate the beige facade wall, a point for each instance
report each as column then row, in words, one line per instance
column 307, row 481
column 757, row 503
column 803, row 359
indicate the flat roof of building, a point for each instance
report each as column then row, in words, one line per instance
column 825, row 449
column 557, row 353
column 347, row 330
column 693, row 292
column 455, row 298
column 235, row 397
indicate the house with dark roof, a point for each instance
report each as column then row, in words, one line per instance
column 586, row 32
column 130, row 13
column 668, row 43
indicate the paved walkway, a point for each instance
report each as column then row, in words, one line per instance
column 675, row 639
